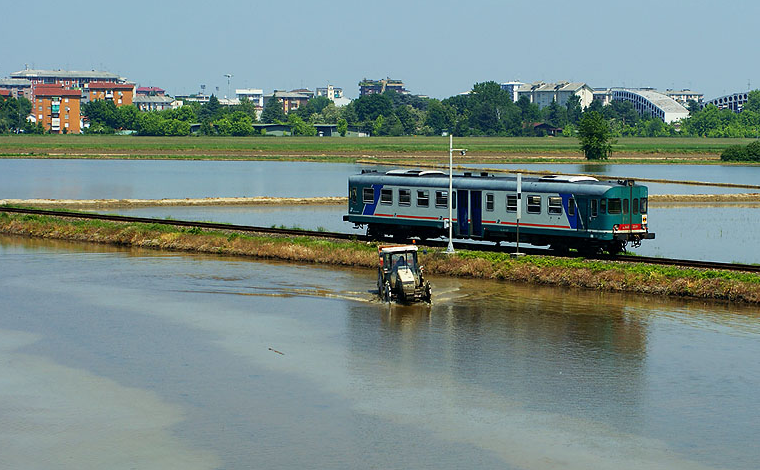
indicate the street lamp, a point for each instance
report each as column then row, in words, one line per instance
column 450, row 248
column 229, row 76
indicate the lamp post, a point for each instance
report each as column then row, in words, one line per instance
column 450, row 248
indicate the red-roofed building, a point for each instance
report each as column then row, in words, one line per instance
column 5, row 93
column 57, row 109
column 121, row 94
column 151, row 91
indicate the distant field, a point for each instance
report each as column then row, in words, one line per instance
column 512, row 148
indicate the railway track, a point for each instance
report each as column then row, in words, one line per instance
column 347, row 236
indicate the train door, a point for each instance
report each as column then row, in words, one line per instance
column 476, row 212
column 463, row 222
column 582, row 208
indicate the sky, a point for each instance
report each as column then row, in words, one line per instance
column 438, row 48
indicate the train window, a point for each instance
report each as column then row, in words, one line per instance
column 489, row 201
column 386, row 196
column 423, row 198
column 613, row 206
column 625, row 206
column 594, row 207
column 404, row 197
column 512, row 203
column 534, row 204
column 635, row 206
column 603, row 206
column 555, row 205
column 441, row 199
column 453, row 199
column 368, row 195
column 644, row 205
column 571, row 207
column 353, row 195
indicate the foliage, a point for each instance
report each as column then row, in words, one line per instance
column 299, row 127
column 342, row 127
column 595, row 136
column 273, row 112
column 238, row 123
column 738, row 153
column 13, row 114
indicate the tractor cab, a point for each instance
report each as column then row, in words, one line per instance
column 399, row 275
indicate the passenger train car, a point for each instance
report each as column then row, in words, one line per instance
column 563, row 212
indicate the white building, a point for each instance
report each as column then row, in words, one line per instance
column 735, row 102
column 652, row 103
column 254, row 95
column 511, row 88
column 543, row 94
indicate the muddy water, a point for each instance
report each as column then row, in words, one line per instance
column 137, row 359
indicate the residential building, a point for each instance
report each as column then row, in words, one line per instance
column 511, row 88
column 57, row 108
column 684, row 96
column 735, row 101
column 652, row 103
column 543, row 94
column 154, row 102
column 290, row 100
column 150, row 91
column 66, row 78
column 330, row 92
column 304, row 91
column 18, row 87
column 196, row 98
column 603, row 95
column 370, row 87
column 122, row 94
column 254, row 95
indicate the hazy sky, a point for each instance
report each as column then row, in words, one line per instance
column 439, row 48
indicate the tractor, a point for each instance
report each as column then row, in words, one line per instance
column 399, row 276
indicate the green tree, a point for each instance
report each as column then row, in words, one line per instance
column 273, row 111
column 127, row 116
column 212, row 110
column 753, row 102
column 574, row 110
column 102, row 112
column 555, row 115
column 440, row 117
column 594, row 134
column 369, row 107
column 342, row 127
column 391, row 126
column 299, row 127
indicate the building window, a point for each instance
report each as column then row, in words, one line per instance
column 368, row 195
column 404, row 197
column 555, row 205
column 386, row 196
column 423, row 198
column 534, row 204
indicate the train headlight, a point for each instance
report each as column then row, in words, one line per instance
column 615, row 227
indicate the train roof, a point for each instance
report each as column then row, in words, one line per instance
column 486, row 181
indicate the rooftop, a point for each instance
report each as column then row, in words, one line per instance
column 55, row 90
column 38, row 73
column 665, row 103
column 110, row 86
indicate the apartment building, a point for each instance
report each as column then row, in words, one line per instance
column 17, row 87
column 543, row 94
column 370, row 87
column 66, row 78
column 254, row 95
column 57, row 108
column 291, row 100
column 122, row 94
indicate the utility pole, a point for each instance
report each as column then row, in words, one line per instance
column 450, row 248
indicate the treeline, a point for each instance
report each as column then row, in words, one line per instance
column 13, row 116
column 742, row 153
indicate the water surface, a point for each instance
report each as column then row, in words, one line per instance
column 128, row 358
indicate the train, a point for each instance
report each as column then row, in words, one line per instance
column 559, row 211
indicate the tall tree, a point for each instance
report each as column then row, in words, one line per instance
column 273, row 111
column 595, row 137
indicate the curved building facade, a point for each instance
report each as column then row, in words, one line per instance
column 652, row 103
column 734, row 102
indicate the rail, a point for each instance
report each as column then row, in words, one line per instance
column 475, row 246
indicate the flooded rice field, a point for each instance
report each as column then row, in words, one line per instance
column 157, row 179
column 113, row 358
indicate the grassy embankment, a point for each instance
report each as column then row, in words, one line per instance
column 385, row 149
column 601, row 275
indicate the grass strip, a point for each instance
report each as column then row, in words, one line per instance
column 547, row 270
